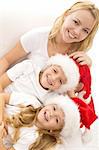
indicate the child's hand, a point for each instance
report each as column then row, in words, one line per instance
column 71, row 93
column 82, row 58
column 79, row 87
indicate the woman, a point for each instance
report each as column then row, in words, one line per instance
column 72, row 34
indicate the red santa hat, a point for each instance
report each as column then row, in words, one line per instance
column 84, row 99
column 70, row 109
column 85, row 78
column 69, row 68
column 87, row 115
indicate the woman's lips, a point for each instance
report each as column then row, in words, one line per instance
column 72, row 36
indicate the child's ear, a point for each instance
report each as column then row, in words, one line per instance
column 50, row 131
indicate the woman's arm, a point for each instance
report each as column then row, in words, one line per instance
column 4, row 99
column 2, row 147
column 4, row 81
column 11, row 148
column 11, row 57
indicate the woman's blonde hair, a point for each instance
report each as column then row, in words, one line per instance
column 86, row 43
column 26, row 118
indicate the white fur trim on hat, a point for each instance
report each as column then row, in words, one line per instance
column 69, row 68
column 70, row 109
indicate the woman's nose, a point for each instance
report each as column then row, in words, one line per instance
column 77, row 32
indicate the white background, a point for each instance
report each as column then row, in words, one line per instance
column 21, row 15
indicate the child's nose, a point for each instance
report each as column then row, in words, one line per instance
column 55, row 77
column 54, row 114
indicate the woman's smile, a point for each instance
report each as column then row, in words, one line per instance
column 71, row 35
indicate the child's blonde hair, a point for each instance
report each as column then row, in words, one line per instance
column 87, row 42
column 26, row 118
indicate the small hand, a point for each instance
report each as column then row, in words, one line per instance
column 71, row 93
column 82, row 58
column 79, row 87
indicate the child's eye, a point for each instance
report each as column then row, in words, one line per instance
column 54, row 108
column 60, row 81
column 54, row 71
column 56, row 120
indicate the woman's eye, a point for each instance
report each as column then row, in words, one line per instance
column 85, row 31
column 76, row 22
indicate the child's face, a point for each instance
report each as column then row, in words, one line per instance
column 77, row 26
column 52, row 78
column 51, row 117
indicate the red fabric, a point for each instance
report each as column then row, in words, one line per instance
column 85, row 78
column 87, row 114
column 87, row 110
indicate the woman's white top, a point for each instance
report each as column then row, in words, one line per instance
column 35, row 42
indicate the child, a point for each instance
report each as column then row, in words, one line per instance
column 36, row 127
column 59, row 74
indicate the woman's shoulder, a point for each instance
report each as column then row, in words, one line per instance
column 31, row 40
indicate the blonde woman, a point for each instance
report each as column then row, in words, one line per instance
column 72, row 33
column 37, row 127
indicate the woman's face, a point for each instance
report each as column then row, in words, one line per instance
column 77, row 26
column 51, row 117
column 52, row 78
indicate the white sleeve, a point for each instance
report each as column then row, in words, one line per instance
column 19, row 69
column 30, row 40
column 27, row 137
column 17, row 98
